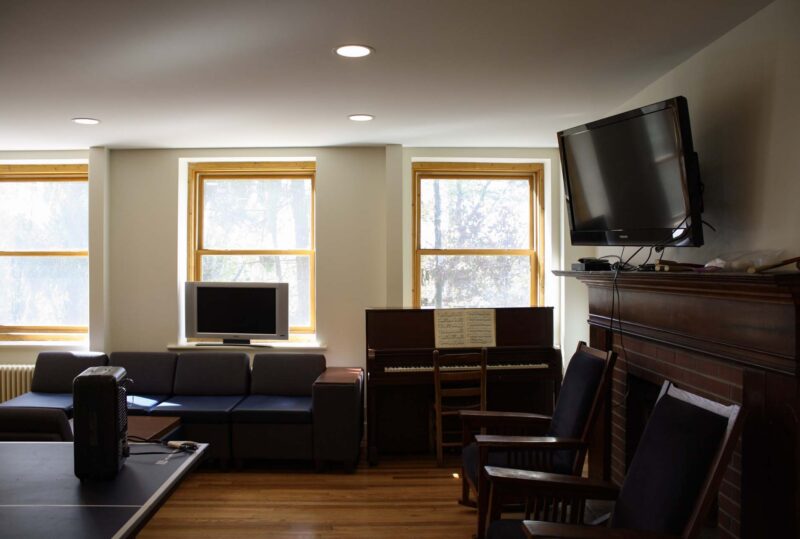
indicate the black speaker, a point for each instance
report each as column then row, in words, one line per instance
column 100, row 418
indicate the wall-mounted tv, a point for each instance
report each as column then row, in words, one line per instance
column 633, row 178
column 237, row 312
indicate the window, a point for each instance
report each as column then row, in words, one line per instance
column 44, row 252
column 255, row 222
column 477, row 235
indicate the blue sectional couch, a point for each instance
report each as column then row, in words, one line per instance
column 288, row 406
column 52, row 379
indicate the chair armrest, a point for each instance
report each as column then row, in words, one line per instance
column 340, row 375
column 535, row 529
column 474, row 419
column 528, row 442
column 550, row 484
column 337, row 411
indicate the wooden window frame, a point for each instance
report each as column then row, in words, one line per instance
column 533, row 172
column 199, row 172
column 50, row 174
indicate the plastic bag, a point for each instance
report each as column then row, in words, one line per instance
column 742, row 260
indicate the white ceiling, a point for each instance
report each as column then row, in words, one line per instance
column 246, row 73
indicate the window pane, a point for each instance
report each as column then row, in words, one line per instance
column 292, row 269
column 44, row 290
column 474, row 214
column 44, row 216
column 257, row 214
column 475, row 281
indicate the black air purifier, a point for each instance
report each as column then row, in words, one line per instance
column 100, row 422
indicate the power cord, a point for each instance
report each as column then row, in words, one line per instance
column 177, row 446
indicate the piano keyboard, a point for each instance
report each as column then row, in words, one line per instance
column 429, row 368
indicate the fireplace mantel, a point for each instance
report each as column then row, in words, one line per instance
column 731, row 337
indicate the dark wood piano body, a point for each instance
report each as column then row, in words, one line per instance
column 399, row 401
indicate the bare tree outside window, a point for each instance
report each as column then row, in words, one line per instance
column 475, row 237
column 255, row 224
column 44, row 263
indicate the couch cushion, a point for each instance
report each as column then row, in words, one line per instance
column 142, row 404
column 667, row 472
column 581, row 380
column 62, row 401
column 199, row 409
column 286, row 374
column 212, row 373
column 152, row 373
column 55, row 371
column 273, row 409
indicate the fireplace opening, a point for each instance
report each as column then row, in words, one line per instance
column 639, row 404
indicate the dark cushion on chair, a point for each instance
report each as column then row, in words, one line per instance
column 61, row 401
column 574, row 404
column 143, row 404
column 153, row 373
column 506, row 529
column 212, row 373
column 273, row 409
column 286, row 374
column 669, row 468
column 199, row 409
column 55, row 371
column 34, row 425
column 469, row 459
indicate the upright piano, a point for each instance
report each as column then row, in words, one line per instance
column 524, row 372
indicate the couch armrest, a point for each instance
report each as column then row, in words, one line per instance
column 338, row 412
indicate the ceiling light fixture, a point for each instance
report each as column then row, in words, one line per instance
column 354, row 51
column 361, row 117
column 86, row 121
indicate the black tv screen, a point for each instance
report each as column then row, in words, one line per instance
column 632, row 179
column 236, row 310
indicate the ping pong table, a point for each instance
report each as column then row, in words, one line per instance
column 41, row 497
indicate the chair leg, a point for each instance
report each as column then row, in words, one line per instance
column 439, row 452
column 465, row 491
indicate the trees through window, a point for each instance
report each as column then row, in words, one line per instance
column 477, row 234
column 44, row 252
column 255, row 222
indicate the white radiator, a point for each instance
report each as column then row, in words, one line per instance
column 15, row 380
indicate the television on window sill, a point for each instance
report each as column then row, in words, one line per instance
column 634, row 179
column 237, row 312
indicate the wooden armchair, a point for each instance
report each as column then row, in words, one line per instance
column 535, row 442
column 667, row 492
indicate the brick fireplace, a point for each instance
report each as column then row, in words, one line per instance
column 730, row 338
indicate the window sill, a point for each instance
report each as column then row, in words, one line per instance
column 261, row 348
column 45, row 345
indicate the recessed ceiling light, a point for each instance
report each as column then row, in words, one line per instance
column 361, row 117
column 354, row 51
column 86, row 121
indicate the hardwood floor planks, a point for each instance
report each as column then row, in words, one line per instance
column 401, row 497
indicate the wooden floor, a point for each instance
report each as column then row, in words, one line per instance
column 401, row 497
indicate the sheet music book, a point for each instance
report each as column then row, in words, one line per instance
column 464, row 328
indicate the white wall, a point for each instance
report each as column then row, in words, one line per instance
column 743, row 103
column 147, row 236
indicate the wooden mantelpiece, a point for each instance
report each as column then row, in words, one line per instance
column 731, row 337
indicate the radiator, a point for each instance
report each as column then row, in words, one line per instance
column 14, row 380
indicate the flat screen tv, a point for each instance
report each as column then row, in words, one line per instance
column 237, row 312
column 633, row 178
